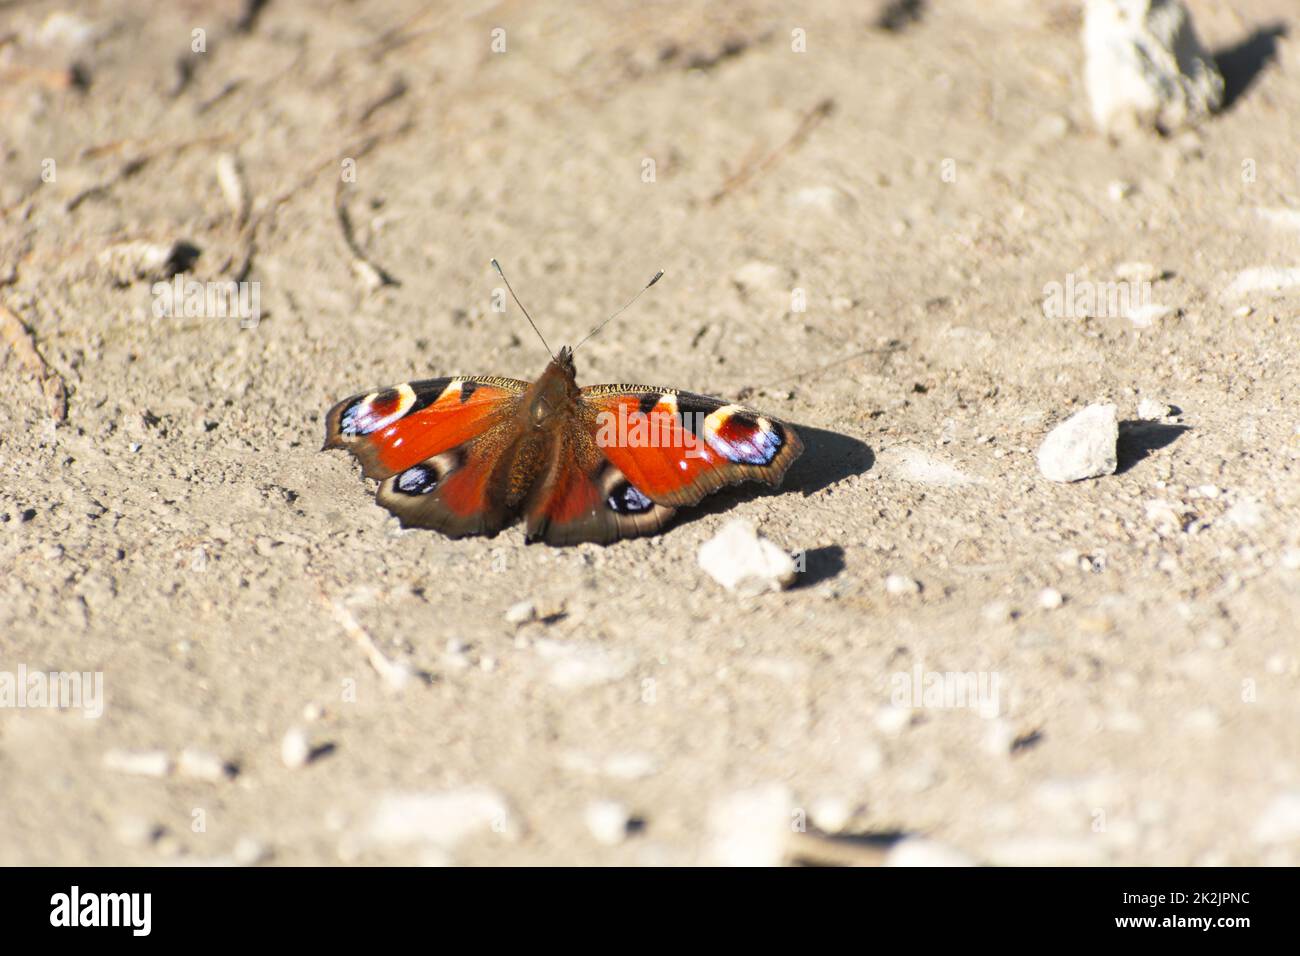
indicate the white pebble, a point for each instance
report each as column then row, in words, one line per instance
column 739, row 559
column 521, row 613
column 202, row 765
column 751, row 827
column 1149, row 410
column 759, row 276
column 1082, row 446
column 295, row 748
column 918, row 851
column 1049, row 599
column 574, row 665
column 1145, row 67
column 250, row 851
column 830, row 814
column 608, row 821
column 1280, row 821
column 141, row 763
column 442, row 819
column 900, row 585
column 1273, row 280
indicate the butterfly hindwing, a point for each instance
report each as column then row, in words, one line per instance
column 437, row 447
column 582, row 496
column 676, row 447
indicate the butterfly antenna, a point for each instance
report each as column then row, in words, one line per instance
column 496, row 265
column 658, row 275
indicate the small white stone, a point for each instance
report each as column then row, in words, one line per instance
column 141, row 763
column 1280, row 821
column 1138, row 272
column 759, row 276
column 893, row 720
column 830, row 814
column 1119, row 190
column 739, row 559
column 295, row 748
column 1049, row 599
column 901, row 585
column 1245, row 514
column 136, row 830
column 1082, row 446
column 442, row 819
column 202, row 765
column 521, row 613
column 997, row 612
column 1273, row 280
column 574, row 666
column 608, row 821
column 1290, row 559
column 918, row 851
column 824, row 199
column 1145, row 67
column 249, row 851
column 1145, row 316
column 751, row 827
column 1149, row 410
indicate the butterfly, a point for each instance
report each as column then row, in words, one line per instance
column 470, row 454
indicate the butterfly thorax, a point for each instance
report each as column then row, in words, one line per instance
column 555, row 395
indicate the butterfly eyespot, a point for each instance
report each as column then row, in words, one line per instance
column 742, row 438
column 627, row 500
column 370, row 414
column 417, row 480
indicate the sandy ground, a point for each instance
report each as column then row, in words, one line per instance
column 181, row 535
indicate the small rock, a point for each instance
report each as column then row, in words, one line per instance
column 1145, row 316
column 1082, row 446
column 1119, row 191
column 140, row 260
column 824, row 199
column 608, row 821
column 249, row 851
column 574, row 666
column 751, row 827
column 1145, row 67
column 1245, row 514
column 135, row 830
column 201, row 765
column 900, row 585
column 1269, row 279
column 997, row 612
column 740, row 560
column 893, row 720
column 142, row 763
column 1280, row 821
column 830, row 814
column 295, row 748
column 918, row 851
column 1138, row 272
column 1149, row 410
column 521, row 613
column 760, row 277
column 1049, row 599
column 442, row 819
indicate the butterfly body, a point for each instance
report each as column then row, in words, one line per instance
column 467, row 455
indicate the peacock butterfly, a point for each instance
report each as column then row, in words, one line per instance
column 467, row 454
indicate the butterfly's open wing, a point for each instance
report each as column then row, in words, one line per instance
column 643, row 452
column 438, row 447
